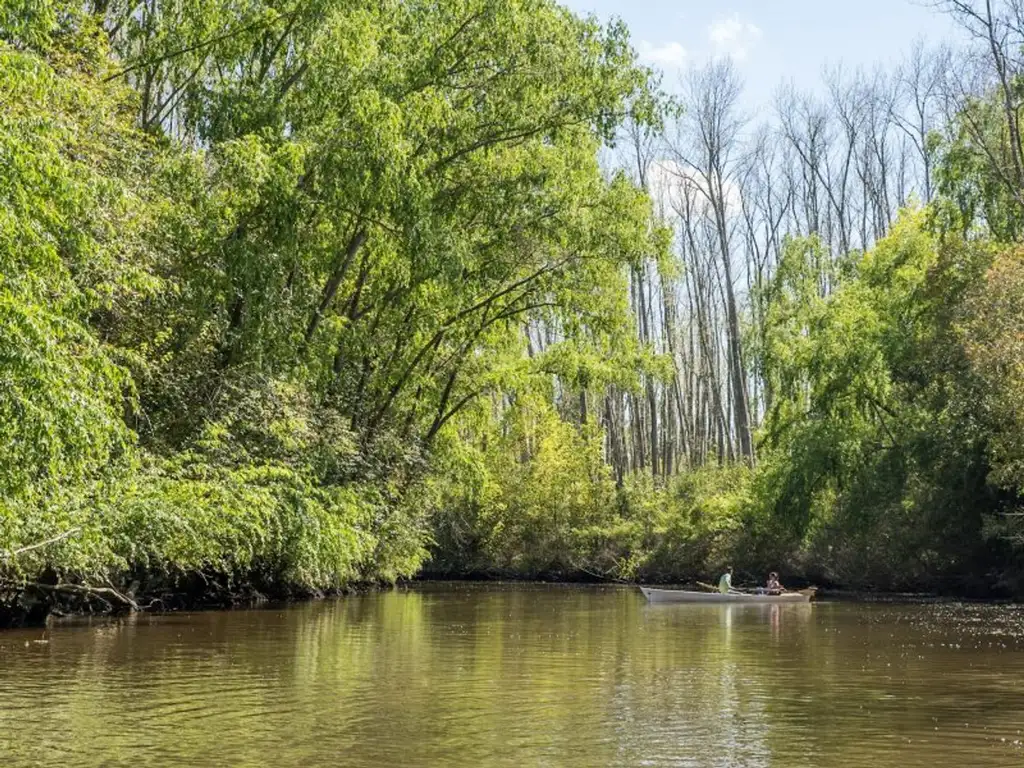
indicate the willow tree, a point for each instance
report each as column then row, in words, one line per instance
column 375, row 194
column 71, row 258
column 283, row 245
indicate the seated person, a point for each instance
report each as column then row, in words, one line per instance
column 725, row 583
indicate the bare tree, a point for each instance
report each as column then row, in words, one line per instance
column 998, row 28
column 919, row 83
column 710, row 143
column 837, row 165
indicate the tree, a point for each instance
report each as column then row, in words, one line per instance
column 711, row 133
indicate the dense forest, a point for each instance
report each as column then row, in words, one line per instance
column 300, row 295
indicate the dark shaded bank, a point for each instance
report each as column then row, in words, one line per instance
column 36, row 604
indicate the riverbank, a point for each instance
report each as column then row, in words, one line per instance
column 35, row 605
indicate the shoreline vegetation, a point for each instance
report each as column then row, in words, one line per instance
column 299, row 296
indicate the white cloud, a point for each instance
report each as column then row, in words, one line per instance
column 668, row 181
column 732, row 36
column 671, row 55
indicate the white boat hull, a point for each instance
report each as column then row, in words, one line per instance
column 684, row 596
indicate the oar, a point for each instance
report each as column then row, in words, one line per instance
column 732, row 590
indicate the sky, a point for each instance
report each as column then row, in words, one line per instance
column 773, row 41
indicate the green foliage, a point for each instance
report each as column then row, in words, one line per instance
column 255, row 258
column 690, row 528
column 265, row 271
column 27, row 22
column 263, row 525
column 530, row 494
column 976, row 179
column 993, row 328
column 535, row 501
column 67, row 219
column 875, row 468
column 890, row 454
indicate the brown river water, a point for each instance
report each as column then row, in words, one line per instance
column 521, row 675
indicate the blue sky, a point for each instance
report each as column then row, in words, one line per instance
column 773, row 40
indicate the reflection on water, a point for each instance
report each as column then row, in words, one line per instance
column 469, row 675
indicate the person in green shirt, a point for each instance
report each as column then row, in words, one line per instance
column 725, row 583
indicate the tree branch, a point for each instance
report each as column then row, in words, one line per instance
column 100, row 592
column 7, row 555
column 196, row 47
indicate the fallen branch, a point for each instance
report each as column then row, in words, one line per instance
column 7, row 555
column 101, row 592
column 601, row 576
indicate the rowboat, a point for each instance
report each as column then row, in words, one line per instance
column 685, row 596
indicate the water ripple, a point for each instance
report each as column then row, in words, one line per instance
column 467, row 675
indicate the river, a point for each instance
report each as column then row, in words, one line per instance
column 521, row 675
